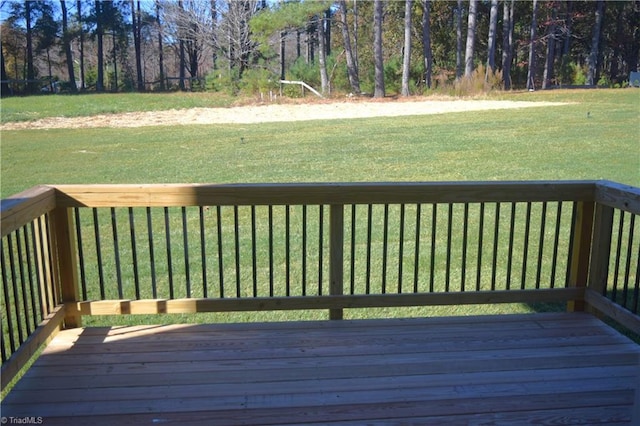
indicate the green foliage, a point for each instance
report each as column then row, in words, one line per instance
column 258, row 80
column 307, row 72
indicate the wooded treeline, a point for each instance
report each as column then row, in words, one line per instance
column 348, row 46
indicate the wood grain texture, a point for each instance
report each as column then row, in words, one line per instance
column 513, row 369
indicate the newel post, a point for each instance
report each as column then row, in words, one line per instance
column 581, row 232
column 65, row 264
column 600, row 249
column 336, row 256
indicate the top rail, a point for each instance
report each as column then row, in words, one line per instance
column 22, row 208
column 168, row 195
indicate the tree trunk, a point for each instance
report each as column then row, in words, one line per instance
column 471, row 38
column 4, row 86
column 379, row 91
column 135, row 25
column 531, row 73
column 406, row 59
column 82, row 80
column 99, row 34
column 160, row 48
column 283, row 35
column 182, row 55
column 551, row 50
column 459, row 65
column 595, row 41
column 30, row 71
column 66, row 40
column 322, row 56
column 114, row 88
column 507, row 43
column 491, row 48
column 352, row 70
column 426, row 42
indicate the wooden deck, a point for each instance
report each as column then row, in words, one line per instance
column 515, row 369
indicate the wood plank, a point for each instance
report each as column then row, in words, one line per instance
column 614, row 311
column 150, row 195
column 617, row 195
column 356, row 371
column 258, row 304
column 20, row 209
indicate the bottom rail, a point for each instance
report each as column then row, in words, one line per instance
column 182, row 306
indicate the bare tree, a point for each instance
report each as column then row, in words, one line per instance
column 238, row 47
column 459, row 65
column 406, row 58
column 471, row 38
column 322, row 54
column 135, row 27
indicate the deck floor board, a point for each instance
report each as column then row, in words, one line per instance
column 514, row 369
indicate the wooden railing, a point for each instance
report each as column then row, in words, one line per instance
column 74, row 250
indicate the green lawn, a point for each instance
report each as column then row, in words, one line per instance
column 596, row 135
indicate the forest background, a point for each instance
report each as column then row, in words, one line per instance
column 355, row 47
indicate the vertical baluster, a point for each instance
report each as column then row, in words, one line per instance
column 627, row 269
column 80, row 243
column 618, row 257
column 220, row 257
column 556, row 243
column 23, row 283
column 368, row 271
column 287, row 238
column 543, row 222
column 401, row 247
column 480, row 247
column 116, row 252
column 37, row 273
column 152, row 261
column 385, row 239
column 432, row 266
column 304, row 250
column 167, row 233
column 254, row 264
column 271, row 251
column 30, row 270
column 416, row 266
column 134, row 253
column 496, row 239
column 96, row 233
column 236, row 241
column 465, row 237
column 512, row 226
column 352, row 277
column 16, row 293
column 203, row 251
column 185, row 243
column 320, row 246
column 525, row 246
column 7, row 298
column 447, row 276
column 636, row 286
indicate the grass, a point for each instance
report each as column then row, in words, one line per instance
column 595, row 136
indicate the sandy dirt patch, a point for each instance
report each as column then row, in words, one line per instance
column 274, row 113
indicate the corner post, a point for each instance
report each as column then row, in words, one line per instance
column 600, row 249
column 65, row 264
column 336, row 256
column 582, row 231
